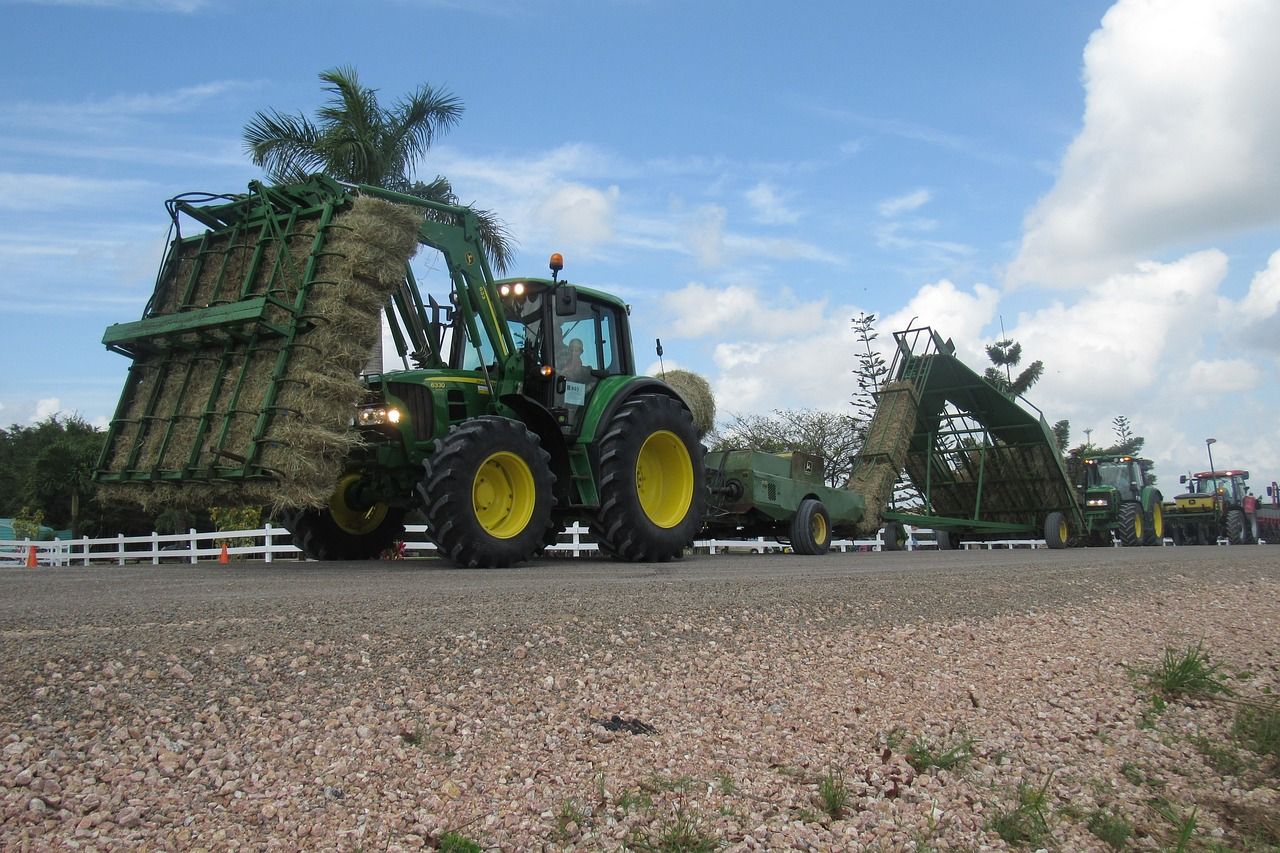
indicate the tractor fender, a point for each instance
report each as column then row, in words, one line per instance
column 610, row 394
column 1150, row 496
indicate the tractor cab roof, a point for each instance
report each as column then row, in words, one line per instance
column 1233, row 472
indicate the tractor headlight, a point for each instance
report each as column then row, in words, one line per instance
column 1096, row 502
column 377, row 416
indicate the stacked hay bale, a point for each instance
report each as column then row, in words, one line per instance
column 196, row 408
column 884, row 452
column 696, row 393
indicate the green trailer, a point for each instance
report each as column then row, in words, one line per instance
column 781, row 496
column 986, row 465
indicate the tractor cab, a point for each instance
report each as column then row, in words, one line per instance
column 1121, row 474
column 1227, row 485
column 566, row 339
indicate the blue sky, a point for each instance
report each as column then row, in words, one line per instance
column 1103, row 180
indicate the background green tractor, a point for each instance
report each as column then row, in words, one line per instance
column 518, row 407
column 1117, row 498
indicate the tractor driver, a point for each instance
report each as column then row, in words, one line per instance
column 573, row 368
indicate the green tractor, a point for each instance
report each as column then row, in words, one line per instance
column 1117, row 498
column 1211, row 509
column 519, row 406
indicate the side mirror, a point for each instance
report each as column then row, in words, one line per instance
column 1182, row 479
column 566, row 300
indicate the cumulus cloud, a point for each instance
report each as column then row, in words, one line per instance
column 1220, row 376
column 697, row 310
column 1178, row 141
column 579, row 215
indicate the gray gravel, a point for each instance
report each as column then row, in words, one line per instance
column 380, row 706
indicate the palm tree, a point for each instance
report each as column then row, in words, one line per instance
column 356, row 139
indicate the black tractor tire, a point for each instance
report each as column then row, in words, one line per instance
column 1178, row 537
column 1056, row 531
column 1153, row 523
column 652, row 483
column 340, row 531
column 1237, row 528
column 486, row 493
column 1130, row 530
column 811, row 528
column 893, row 536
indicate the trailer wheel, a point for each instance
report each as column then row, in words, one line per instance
column 486, row 493
column 1056, row 531
column 811, row 528
column 1130, row 529
column 1153, row 530
column 947, row 541
column 344, row 530
column 893, row 536
column 652, row 484
column 1236, row 527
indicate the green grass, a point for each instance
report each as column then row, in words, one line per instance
column 455, row 842
column 1223, row 759
column 1257, row 727
column 923, row 756
column 834, row 794
column 1188, row 673
column 629, row 800
column 569, row 819
column 1111, row 829
column 682, row 834
column 1028, row 821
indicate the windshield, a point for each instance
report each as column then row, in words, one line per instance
column 1118, row 475
column 524, row 321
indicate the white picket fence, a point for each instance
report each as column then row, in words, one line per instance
column 270, row 543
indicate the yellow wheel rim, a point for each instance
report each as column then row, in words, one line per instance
column 1137, row 526
column 1062, row 530
column 818, row 527
column 664, row 479
column 355, row 521
column 1157, row 520
column 503, row 495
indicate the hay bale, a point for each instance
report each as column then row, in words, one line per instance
column 696, row 393
column 187, row 403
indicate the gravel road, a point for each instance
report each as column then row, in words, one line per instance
column 703, row 704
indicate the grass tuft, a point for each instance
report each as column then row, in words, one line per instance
column 1028, row 821
column 922, row 756
column 456, row 842
column 681, row 834
column 1188, row 673
column 1111, row 829
column 834, row 794
column 1257, row 727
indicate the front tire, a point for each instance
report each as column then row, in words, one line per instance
column 344, row 530
column 1153, row 531
column 811, row 528
column 1130, row 529
column 1236, row 527
column 1056, row 532
column 893, row 536
column 486, row 493
column 652, row 484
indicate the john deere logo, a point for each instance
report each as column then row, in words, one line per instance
column 471, row 258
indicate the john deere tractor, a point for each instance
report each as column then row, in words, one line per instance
column 1117, row 498
column 519, row 405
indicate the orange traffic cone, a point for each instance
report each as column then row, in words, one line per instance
column 224, row 557
column 31, row 557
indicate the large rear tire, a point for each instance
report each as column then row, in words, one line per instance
column 345, row 530
column 811, row 528
column 1130, row 529
column 486, row 493
column 652, row 484
column 1056, row 531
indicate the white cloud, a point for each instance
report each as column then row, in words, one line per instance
column 697, row 310
column 769, row 205
column 905, row 203
column 1220, row 376
column 578, row 215
column 1180, row 140
column 46, row 407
